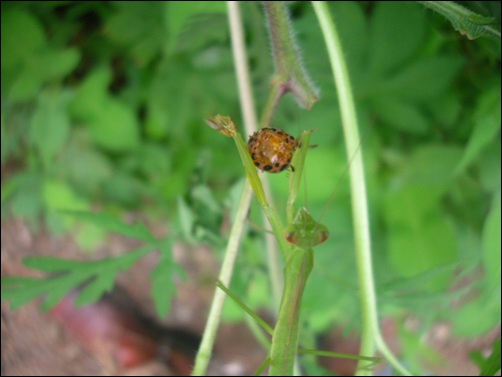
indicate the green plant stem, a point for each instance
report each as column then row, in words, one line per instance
column 213, row 321
column 242, row 68
column 287, row 328
column 290, row 75
column 247, row 104
column 274, row 265
column 251, row 125
column 370, row 328
column 274, row 97
column 254, row 179
column 299, row 263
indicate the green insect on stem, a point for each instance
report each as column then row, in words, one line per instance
column 267, row 328
column 286, row 331
column 304, row 231
column 296, row 242
column 225, row 126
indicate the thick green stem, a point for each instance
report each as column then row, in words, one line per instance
column 287, row 331
column 370, row 328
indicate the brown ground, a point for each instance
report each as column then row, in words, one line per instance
column 33, row 343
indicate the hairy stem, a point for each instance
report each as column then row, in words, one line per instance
column 290, row 75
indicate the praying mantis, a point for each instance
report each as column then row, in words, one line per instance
column 296, row 241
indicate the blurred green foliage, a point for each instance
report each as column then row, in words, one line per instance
column 109, row 111
column 104, row 103
column 489, row 366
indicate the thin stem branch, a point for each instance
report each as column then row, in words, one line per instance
column 251, row 125
column 213, row 321
column 242, row 68
column 248, row 110
column 274, row 97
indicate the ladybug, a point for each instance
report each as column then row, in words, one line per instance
column 272, row 149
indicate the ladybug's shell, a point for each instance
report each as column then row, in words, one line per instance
column 271, row 149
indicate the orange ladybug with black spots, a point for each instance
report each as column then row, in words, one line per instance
column 272, row 149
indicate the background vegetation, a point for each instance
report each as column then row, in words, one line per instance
column 103, row 106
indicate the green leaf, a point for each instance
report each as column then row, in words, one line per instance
column 422, row 80
column 24, row 87
column 93, row 291
column 22, row 36
column 89, row 237
column 447, row 109
column 392, row 19
column 49, row 126
column 431, row 165
column 58, row 64
column 187, row 219
column 60, row 196
column 115, row 126
column 103, row 221
column 489, row 167
column 205, row 196
column 353, row 30
column 146, row 38
column 154, row 160
column 19, row 291
column 157, row 119
column 59, row 291
column 163, row 286
column 487, row 121
column 26, row 84
column 112, row 123
column 415, row 351
column 125, row 188
column 492, row 245
column 201, row 31
column 27, row 198
column 21, row 294
column 463, row 20
column 177, row 15
column 402, row 116
column 91, row 94
column 479, row 315
column 74, row 163
column 422, row 242
column 420, row 236
column 50, row 264
column 13, row 281
column 490, row 365
column 27, row 61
